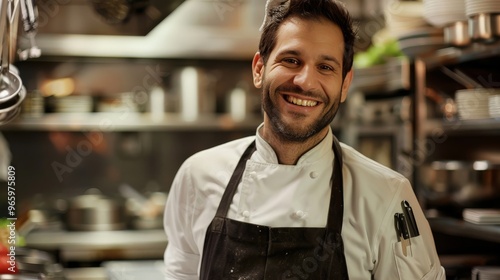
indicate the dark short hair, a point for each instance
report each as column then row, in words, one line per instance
column 332, row 10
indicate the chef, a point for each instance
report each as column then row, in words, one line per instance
column 292, row 202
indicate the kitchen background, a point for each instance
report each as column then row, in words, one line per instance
column 120, row 96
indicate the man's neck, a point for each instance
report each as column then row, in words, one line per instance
column 289, row 152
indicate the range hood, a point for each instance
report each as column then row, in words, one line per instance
column 102, row 17
column 162, row 29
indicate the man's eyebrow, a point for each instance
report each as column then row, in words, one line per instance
column 289, row 52
column 297, row 53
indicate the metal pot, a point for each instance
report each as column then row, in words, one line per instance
column 457, row 34
column 95, row 212
column 35, row 264
column 484, row 27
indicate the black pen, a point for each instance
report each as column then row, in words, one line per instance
column 399, row 233
column 412, row 223
column 403, row 226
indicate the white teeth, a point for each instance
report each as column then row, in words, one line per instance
column 301, row 102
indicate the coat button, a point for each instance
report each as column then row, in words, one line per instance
column 313, row 175
column 245, row 214
column 299, row 214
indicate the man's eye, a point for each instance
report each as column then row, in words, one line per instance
column 326, row 68
column 291, row 61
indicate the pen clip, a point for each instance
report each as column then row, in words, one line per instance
column 410, row 217
column 400, row 225
column 397, row 225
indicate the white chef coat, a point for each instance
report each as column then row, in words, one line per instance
column 298, row 195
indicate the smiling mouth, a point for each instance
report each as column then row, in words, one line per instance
column 300, row 102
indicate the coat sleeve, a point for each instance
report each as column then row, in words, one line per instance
column 181, row 255
column 415, row 259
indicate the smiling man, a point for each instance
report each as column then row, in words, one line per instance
column 292, row 202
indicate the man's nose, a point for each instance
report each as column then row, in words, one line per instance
column 306, row 78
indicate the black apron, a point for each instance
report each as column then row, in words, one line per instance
column 244, row 251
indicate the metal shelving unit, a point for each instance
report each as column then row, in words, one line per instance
column 480, row 59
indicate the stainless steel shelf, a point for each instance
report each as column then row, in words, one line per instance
column 128, row 121
column 486, row 126
column 455, row 55
column 101, row 245
column 461, row 228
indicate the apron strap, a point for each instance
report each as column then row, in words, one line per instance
column 232, row 186
column 336, row 209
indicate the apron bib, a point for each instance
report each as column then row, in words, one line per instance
column 244, row 251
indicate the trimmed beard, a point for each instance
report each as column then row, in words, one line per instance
column 289, row 133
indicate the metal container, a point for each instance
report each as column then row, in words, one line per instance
column 457, row 34
column 194, row 88
column 484, row 27
column 95, row 212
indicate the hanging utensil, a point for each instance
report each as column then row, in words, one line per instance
column 29, row 13
column 5, row 93
column 10, row 83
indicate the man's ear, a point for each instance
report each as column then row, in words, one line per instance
column 257, row 70
column 346, row 84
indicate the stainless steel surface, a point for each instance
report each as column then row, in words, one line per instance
column 150, row 270
column 130, row 121
column 101, row 245
column 86, row 273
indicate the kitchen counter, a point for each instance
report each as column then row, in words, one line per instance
column 119, row 270
column 101, row 245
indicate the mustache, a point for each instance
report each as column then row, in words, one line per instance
column 299, row 90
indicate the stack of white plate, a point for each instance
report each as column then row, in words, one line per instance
column 482, row 216
column 405, row 21
column 441, row 13
column 486, row 273
column 476, row 7
column 474, row 103
column 74, row 104
column 494, row 106
column 403, row 17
